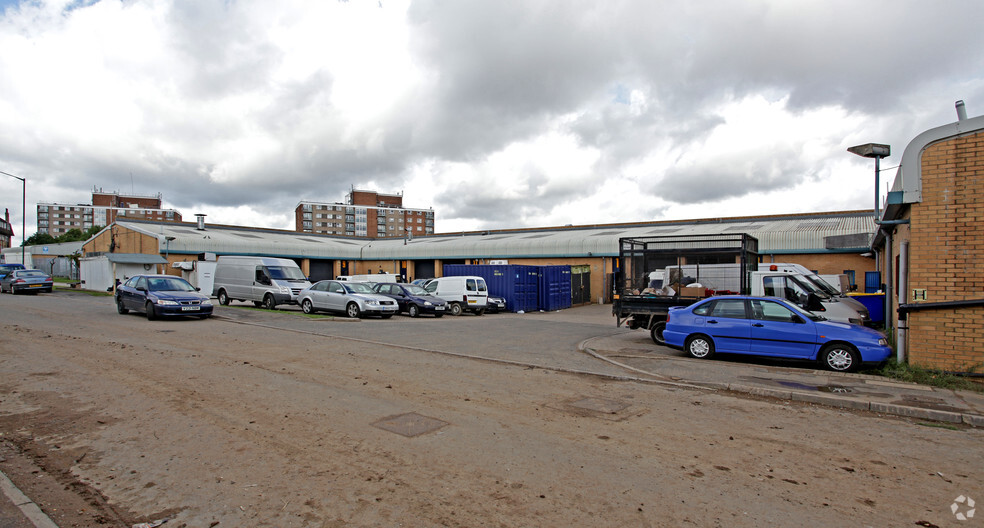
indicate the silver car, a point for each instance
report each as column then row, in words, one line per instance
column 26, row 281
column 355, row 299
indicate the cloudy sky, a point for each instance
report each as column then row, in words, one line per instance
column 495, row 113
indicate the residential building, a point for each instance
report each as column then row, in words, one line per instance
column 6, row 230
column 364, row 214
column 57, row 219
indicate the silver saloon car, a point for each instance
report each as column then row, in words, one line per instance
column 355, row 299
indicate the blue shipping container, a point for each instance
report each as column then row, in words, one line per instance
column 517, row 284
column 554, row 288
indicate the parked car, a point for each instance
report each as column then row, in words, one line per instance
column 7, row 268
column 495, row 304
column 25, row 280
column 162, row 296
column 355, row 299
column 463, row 293
column 769, row 326
column 421, row 282
column 413, row 299
column 266, row 281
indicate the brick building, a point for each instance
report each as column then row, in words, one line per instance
column 933, row 237
column 57, row 219
column 364, row 214
column 6, row 230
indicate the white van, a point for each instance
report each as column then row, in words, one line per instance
column 462, row 293
column 266, row 281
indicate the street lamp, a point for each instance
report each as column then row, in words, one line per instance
column 879, row 151
column 23, row 215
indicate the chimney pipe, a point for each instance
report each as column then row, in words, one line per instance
column 201, row 221
column 961, row 111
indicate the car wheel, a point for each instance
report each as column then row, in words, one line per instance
column 480, row 312
column 150, row 311
column 120, row 307
column 656, row 333
column 413, row 311
column 352, row 310
column 455, row 309
column 268, row 302
column 223, row 298
column 438, row 315
column 699, row 346
column 307, row 307
column 840, row 358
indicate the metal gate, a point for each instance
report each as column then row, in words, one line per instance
column 580, row 284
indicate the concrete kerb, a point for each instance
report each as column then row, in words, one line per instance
column 829, row 400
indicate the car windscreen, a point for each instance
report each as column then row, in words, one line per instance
column 823, row 285
column 358, row 287
column 31, row 273
column 413, row 289
column 284, row 273
column 809, row 287
column 165, row 284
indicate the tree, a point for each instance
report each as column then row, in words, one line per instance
column 38, row 239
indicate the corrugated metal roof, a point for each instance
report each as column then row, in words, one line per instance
column 778, row 234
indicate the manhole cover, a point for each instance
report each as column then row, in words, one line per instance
column 410, row 424
column 601, row 405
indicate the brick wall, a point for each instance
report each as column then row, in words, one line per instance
column 946, row 243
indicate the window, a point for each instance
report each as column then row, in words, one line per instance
column 729, row 309
column 772, row 311
column 336, row 288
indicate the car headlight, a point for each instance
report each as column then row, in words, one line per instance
column 883, row 342
column 427, row 303
column 165, row 302
column 207, row 301
column 284, row 289
column 372, row 302
column 856, row 321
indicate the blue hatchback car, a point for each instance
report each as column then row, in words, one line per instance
column 768, row 326
column 162, row 296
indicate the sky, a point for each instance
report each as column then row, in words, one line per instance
column 497, row 114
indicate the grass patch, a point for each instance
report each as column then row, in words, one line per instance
column 925, row 376
column 939, row 425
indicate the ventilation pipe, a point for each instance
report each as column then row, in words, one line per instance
column 201, row 221
column 961, row 110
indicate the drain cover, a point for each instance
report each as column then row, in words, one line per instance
column 410, row 424
column 601, row 405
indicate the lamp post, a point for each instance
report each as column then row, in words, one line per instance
column 23, row 215
column 879, row 151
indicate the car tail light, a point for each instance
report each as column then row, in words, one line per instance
column 20, row 280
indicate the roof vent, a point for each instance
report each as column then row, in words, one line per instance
column 961, row 110
column 201, row 221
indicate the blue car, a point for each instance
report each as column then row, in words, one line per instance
column 768, row 326
column 412, row 299
column 162, row 296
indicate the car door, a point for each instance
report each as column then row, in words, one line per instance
column 778, row 331
column 137, row 293
column 728, row 325
column 335, row 297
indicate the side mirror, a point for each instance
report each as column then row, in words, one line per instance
column 141, row 288
column 198, row 289
column 796, row 319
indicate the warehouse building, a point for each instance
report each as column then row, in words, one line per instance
column 837, row 242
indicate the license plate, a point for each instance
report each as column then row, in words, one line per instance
column 35, row 286
column 439, row 308
column 189, row 308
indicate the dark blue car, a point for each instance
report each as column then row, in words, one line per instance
column 162, row 296
column 412, row 299
column 768, row 326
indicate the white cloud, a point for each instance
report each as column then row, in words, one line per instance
column 494, row 114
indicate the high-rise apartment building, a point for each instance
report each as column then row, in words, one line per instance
column 366, row 214
column 106, row 207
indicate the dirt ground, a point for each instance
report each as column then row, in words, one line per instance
column 108, row 420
